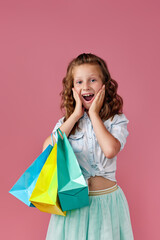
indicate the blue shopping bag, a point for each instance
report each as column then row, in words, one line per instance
column 23, row 188
column 72, row 187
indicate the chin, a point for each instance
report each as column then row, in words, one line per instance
column 86, row 107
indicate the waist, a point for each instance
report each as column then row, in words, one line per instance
column 99, row 183
column 104, row 191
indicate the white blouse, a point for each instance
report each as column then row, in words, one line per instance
column 89, row 154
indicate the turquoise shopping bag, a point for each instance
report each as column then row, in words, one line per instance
column 23, row 188
column 72, row 187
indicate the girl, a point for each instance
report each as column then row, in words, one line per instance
column 97, row 130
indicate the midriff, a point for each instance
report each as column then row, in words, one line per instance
column 99, row 183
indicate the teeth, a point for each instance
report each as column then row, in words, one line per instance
column 87, row 95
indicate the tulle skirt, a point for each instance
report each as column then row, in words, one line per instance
column 106, row 218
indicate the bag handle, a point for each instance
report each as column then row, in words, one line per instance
column 61, row 134
column 52, row 139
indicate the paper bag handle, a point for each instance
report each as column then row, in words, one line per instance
column 61, row 135
column 52, row 139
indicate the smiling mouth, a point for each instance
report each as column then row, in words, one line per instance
column 88, row 98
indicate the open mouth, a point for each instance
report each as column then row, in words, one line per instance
column 88, row 97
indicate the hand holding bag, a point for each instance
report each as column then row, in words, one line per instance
column 72, row 187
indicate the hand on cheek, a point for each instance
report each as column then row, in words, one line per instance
column 98, row 101
column 79, row 110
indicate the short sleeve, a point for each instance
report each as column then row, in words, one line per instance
column 119, row 129
column 58, row 124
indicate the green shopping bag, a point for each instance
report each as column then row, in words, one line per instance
column 72, row 187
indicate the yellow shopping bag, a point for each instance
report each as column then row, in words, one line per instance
column 45, row 194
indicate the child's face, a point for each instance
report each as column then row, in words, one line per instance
column 87, row 79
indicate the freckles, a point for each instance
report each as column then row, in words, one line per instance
column 77, row 89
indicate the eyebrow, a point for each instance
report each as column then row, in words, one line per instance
column 92, row 75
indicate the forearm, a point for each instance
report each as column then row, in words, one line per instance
column 108, row 143
column 68, row 124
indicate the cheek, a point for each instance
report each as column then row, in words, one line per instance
column 98, row 87
column 77, row 89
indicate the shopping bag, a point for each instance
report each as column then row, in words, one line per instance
column 23, row 188
column 45, row 193
column 72, row 187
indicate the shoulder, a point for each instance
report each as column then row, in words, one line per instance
column 59, row 122
column 117, row 118
column 120, row 118
column 56, row 126
column 61, row 119
column 48, row 140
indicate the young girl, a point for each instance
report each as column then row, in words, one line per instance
column 97, row 130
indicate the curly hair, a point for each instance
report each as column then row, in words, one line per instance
column 112, row 103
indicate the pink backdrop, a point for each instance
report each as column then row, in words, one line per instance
column 38, row 39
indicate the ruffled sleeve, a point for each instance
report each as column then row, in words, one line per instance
column 119, row 129
column 58, row 124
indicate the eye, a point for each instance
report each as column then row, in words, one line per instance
column 79, row 82
column 93, row 79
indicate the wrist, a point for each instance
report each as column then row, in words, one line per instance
column 93, row 114
column 74, row 117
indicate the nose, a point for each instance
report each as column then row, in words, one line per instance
column 85, row 86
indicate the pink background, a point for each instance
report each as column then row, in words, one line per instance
column 38, row 39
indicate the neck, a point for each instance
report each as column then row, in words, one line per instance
column 86, row 110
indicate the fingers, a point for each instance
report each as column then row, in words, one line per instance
column 100, row 95
column 76, row 95
column 74, row 91
column 103, row 88
column 101, row 92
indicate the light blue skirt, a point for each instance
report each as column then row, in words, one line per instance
column 106, row 218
